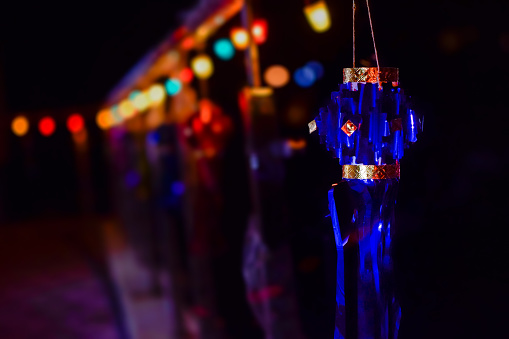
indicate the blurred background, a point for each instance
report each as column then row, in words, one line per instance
column 157, row 178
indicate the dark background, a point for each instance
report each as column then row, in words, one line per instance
column 451, row 251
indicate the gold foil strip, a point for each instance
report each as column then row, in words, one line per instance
column 371, row 171
column 369, row 74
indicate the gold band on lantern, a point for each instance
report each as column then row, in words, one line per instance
column 371, row 171
column 369, row 74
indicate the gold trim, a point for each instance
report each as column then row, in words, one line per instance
column 371, row 171
column 369, row 74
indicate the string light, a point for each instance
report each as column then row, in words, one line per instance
column 75, row 123
column 156, row 94
column 224, row 49
column 173, row 86
column 276, row 76
column 104, row 119
column 259, row 31
column 47, row 126
column 186, row 75
column 318, row 16
column 240, row 38
column 202, row 66
column 126, row 109
column 20, row 126
column 140, row 100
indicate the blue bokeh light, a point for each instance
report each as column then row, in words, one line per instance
column 304, row 77
column 317, row 68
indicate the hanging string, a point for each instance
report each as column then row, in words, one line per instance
column 374, row 44
column 353, row 10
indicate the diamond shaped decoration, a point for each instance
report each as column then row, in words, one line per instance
column 349, row 127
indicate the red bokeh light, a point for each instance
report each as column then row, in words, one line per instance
column 47, row 126
column 259, row 31
column 186, row 75
column 75, row 123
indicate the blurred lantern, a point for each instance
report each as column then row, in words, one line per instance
column 186, row 75
column 140, row 100
column 259, row 31
column 156, row 94
column 206, row 107
column 188, row 43
column 304, row 77
column 240, row 38
column 317, row 68
column 276, row 76
column 173, row 86
column 75, row 123
column 47, row 126
column 318, row 16
column 20, row 126
column 224, row 49
column 126, row 109
column 202, row 66
column 104, row 119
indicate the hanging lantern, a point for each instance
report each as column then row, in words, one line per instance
column 259, row 31
column 240, row 38
column 186, row 75
column 20, row 125
column 140, row 100
column 367, row 125
column 173, row 86
column 318, row 16
column 202, row 66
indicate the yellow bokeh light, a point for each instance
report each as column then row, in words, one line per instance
column 104, row 119
column 202, row 66
column 20, row 126
column 318, row 16
column 156, row 94
column 126, row 109
column 276, row 76
column 239, row 38
column 141, row 102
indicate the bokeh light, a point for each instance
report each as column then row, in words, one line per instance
column 186, row 75
column 140, row 100
column 224, row 49
column 20, row 125
column 126, row 109
column 317, row 68
column 304, row 76
column 276, row 76
column 156, row 94
column 202, row 66
column 173, row 86
column 47, row 126
column 318, row 16
column 104, row 119
column 75, row 123
column 259, row 31
column 240, row 38
column 206, row 108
